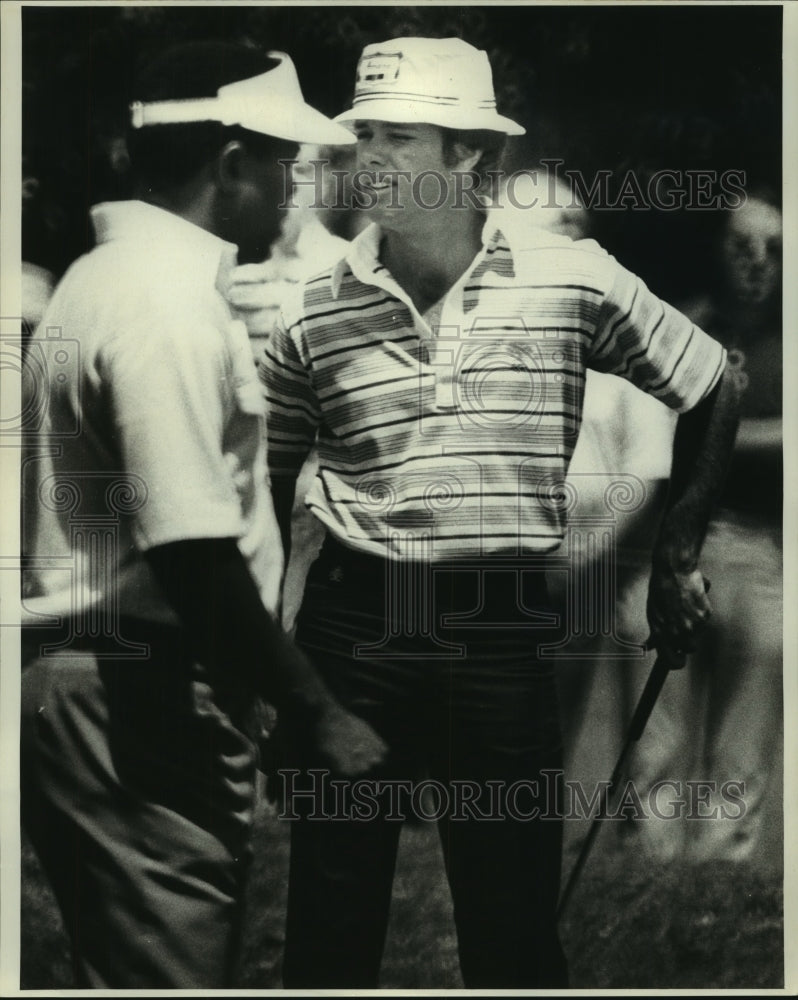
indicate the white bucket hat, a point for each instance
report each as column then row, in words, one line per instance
column 270, row 103
column 438, row 81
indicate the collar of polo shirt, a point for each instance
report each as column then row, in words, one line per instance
column 513, row 226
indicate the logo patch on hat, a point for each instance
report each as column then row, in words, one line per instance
column 382, row 67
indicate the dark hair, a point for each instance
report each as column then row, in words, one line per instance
column 491, row 143
column 165, row 157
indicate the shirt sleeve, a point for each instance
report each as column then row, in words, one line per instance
column 293, row 412
column 643, row 339
column 169, row 393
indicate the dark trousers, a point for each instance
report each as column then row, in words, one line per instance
column 464, row 706
column 138, row 793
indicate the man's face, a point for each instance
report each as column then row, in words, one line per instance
column 264, row 187
column 403, row 172
column 752, row 252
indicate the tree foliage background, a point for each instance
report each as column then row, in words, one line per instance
column 604, row 88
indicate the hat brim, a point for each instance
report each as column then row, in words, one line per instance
column 296, row 123
column 418, row 113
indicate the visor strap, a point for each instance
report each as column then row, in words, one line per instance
column 200, row 109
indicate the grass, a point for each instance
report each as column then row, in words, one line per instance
column 632, row 923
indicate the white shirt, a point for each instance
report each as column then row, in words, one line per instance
column 154, row 425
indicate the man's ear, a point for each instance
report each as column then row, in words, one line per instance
column 467, row 157
column 229, row 166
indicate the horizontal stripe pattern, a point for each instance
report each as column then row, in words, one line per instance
column 366, row 93
column 463, row 435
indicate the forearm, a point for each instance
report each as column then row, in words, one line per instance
column 208, row 583
column 702, row 449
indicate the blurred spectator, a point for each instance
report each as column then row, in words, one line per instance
column 719, row 721
column 736, row 677
column 546, row 200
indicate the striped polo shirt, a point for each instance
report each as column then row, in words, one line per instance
column 454, row 442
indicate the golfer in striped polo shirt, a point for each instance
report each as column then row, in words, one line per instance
column 441, row 367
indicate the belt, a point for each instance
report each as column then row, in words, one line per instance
column 339, row 564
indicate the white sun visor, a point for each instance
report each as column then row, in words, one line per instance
column 270, row 103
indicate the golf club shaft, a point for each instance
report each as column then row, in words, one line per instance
column 664, row 663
